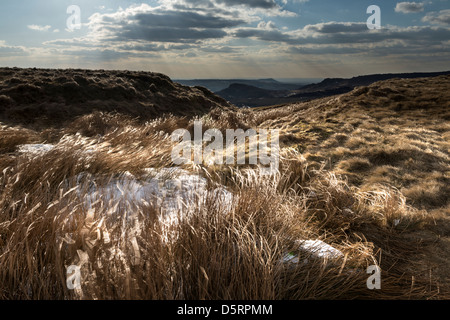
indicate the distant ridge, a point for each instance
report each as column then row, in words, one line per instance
column 216, row 85
column 244, row 91
column 342, row 84
column 252, row 96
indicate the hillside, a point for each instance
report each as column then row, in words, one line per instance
column 389, row 128
column 390, row 134
column 54, row 96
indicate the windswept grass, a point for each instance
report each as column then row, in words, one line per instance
column 50, row 220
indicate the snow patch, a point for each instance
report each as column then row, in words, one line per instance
column 314, row 249
column 320, row 249
column 35, row 149
column 172, row 191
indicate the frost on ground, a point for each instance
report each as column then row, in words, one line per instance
column 35, row 149
column 319, row 249
column 315, row 249
column 172, row 191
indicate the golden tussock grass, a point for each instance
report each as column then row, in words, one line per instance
column 125, row 251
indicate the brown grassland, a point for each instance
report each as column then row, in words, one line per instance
column 367, row 172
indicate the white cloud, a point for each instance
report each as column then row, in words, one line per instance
column 441, row 17
column 267, row 25
column 8, row 51
column 409, row 7
column 39, row 28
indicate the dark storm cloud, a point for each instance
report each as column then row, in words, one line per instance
column 272, row 35
column 180, row 19
column 177, row 35
column 164, row 26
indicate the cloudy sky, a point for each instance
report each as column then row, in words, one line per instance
column 227, row 38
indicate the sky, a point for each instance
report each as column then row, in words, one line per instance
column 223, row 39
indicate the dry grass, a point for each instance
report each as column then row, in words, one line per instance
column 126, row 251
column 370, row 133
column 391, row 134
column 11, row 137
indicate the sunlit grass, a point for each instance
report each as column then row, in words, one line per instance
column 214, row 249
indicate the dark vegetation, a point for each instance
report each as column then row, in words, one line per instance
column 52, row 97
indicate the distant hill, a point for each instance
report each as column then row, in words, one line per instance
column 244, row 91
column 216, row 85
column 252, row 96
column 341, row 85
column 52, row 96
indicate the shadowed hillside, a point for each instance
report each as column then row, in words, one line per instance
column 243, row 91
column 52, row 96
